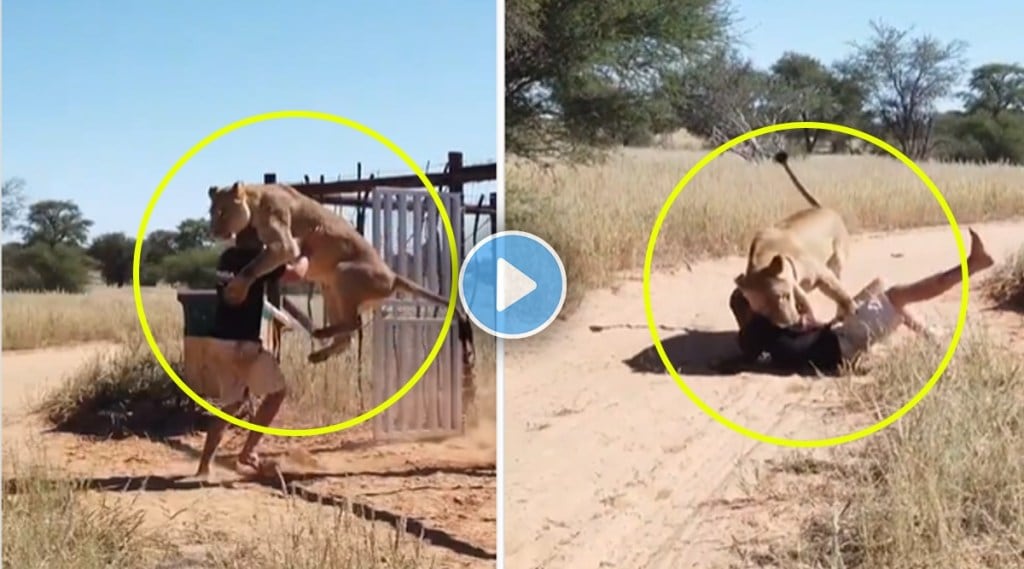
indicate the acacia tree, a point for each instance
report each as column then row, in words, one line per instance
column 113, row 252
column 13, row 202
column 723, row 95
column 578, row 73
column 55, row 222
column 995, row 88
column 193, row 233
column 904, row 79
column 810, row 84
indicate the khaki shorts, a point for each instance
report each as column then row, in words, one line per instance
column 874, row 320
column 229, row 371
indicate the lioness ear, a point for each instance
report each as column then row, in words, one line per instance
column 739, row 280
column 777, row 265
column 212, row 192
column 238, row 190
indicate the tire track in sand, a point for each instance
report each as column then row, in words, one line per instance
column 610, row 468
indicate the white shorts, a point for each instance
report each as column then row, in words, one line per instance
column 229, row 371
column 874, row 320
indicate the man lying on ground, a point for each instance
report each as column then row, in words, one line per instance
column 880, row 312
column 236, row 365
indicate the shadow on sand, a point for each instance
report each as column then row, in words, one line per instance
column 705, row 352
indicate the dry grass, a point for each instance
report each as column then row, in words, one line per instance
column 307, row 537
column 54, row 523
column 105, row 314
column 943, row 487
column 322, row 392
column 47, row 525
column 599, row 217
column 1005, row 287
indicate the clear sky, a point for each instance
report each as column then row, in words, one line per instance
column 991, row 28
column 101, row 98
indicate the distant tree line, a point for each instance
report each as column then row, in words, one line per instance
column 586, row 76
column 55, row 253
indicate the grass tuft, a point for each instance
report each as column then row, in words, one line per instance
column 1005, row 286
column 944, row 486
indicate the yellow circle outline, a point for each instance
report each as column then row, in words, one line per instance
column 782, row 441
column 293, row 114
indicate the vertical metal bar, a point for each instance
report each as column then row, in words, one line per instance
column 454, row 377
column 379, row 368
column 402, row 237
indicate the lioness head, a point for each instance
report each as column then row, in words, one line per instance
column 770, row 292
column 229, row 212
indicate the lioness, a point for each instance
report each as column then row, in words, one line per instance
column 807, row 249
column 351, row 274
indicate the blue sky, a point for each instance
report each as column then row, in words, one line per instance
column 991, row 28
column 100, row 98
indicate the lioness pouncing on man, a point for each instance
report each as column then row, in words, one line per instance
column 802, row 252
column 351, row 274
column 880, row 311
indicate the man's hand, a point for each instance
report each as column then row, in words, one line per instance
column 236, row 290
column 296, row 271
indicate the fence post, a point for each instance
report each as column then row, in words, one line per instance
column 274, row 294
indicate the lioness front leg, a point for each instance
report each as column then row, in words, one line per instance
column 834, row 289
column 803, row 304
column 279, row 248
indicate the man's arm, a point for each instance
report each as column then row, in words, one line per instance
column 916, row 324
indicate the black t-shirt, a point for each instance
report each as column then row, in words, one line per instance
column 242, row 321
column 786, row 347
column 789, row 348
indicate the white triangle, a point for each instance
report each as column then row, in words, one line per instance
column 512, row 285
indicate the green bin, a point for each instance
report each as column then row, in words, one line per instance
column 200, row 306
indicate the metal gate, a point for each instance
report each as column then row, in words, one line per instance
column 408, row 232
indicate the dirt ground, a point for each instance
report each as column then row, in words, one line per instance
column 446, row 489
column 609, row 465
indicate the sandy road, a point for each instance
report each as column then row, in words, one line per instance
column 608, row 467
column 447, row 486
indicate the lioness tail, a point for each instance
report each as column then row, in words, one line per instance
column 782, row 158
column 402, row 283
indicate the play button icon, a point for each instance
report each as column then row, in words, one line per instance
column 512, row 284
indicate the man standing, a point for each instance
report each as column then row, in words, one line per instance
column 236, row 365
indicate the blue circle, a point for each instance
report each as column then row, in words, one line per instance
column 533, row 284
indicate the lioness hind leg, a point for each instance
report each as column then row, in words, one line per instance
column 339, row 346
column 332, row 330
column 343, row 320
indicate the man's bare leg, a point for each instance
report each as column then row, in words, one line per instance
column 266, row 413
column 932, row 286
column 213, row 438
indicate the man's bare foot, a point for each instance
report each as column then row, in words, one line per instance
column 251, row 460
column 979, row 258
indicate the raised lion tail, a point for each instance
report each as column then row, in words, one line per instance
column 783, row 158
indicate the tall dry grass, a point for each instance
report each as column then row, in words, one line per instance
column 943, row 487
column 599, row 217
column 1005, row 287
column 47, row 525
column 52, row 522
column 104, row 314
column 325, row 393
